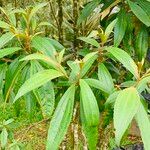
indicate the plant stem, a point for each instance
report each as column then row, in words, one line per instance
column 60, row 20
column 75, row 17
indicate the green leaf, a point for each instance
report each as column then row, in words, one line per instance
column 87, row 10
column 89, row 104
column 36, row 81
column 75, row 70
column 4, row 136
column 142, row 84
column 44, row 95
column 109, row 28
column 42, row 57
column 5, row 38
column 56, row 44
column 12, row 75
column 144, row 125
column 97, row 84
column 125, row 108
column 50, row 61
column 120, row 27
column 91, row 134
column 4, row 25
column 125, row 59
column 105, row 78
column 145, row 5
column 140, row 13
column 35, row 9
column 44, row 45
column 7, row 51
column 112, row 98
column 61, row 119
column 142, row 43
column 90, row 41
column 88, row 60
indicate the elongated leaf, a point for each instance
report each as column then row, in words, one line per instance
column 8, row 51
column 144, row 125
column 44, row 45
column 142, row 43
column 110, row 27
column 12, row 75
column 35, row 9
column 36, row 81
column 44, row 95
column 42, row 57
column 105, row 78
column 56, row 44
column 5, row 38
column 87, row 10
column 75, row 70
column 140, row 13
column 89, row 104
column 120, row 27
column 61, row 119
column 112, row 98
column 142, row 84
column 88, row 61
column 4, row 25
column 125, row 59
column 29, row 98
column 125, row 108
column 145, row 5
column 3, row 69
column 4, row 136
column 50, row 61
column 89, row 41
column 97, row 84
column 91, row 133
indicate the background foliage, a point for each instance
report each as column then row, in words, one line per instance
column 78, row 69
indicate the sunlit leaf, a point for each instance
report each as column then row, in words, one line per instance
column 144, row 125
column 105, row 77
column 125, row 59
column 89, row 41
column 36, row 81
column 7, row 51
column 4, row 137
column 5, row 38
column 89, row 104
column 125, row 108
column 61, row 119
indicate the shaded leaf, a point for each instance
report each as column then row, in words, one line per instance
column 120, row 27
column 87, row 10
column 142, row 43
column 140, row 13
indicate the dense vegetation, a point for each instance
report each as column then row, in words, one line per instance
column 75, row 72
